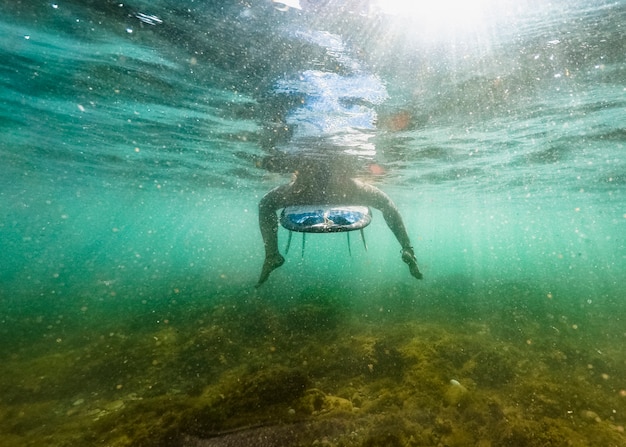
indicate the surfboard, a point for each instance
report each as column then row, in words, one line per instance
column 325, row 219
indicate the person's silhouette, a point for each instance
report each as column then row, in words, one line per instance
column 319, row 184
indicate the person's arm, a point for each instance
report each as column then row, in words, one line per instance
column 374, row 197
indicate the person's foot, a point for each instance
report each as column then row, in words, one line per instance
column 271, row 263
column 409, row 258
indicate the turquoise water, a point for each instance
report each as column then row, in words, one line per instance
column 133, row 143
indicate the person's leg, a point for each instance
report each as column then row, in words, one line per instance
column 268, row 224
column 409, row 258
column 374, row 197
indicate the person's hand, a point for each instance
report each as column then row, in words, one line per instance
column 409, row 258
column 271, row 263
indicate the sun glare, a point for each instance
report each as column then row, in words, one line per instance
column 436, row 16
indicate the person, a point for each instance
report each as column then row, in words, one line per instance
column 322, row 183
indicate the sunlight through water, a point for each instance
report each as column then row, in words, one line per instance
column 437, row 17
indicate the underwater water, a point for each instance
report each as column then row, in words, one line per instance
column 138, row 138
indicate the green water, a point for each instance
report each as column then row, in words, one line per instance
column 130, row 182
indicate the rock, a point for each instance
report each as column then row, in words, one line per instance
column 455, row 393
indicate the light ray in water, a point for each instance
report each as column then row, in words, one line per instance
column 433, row 17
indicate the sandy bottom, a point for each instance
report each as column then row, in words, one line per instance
column 392, row 368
